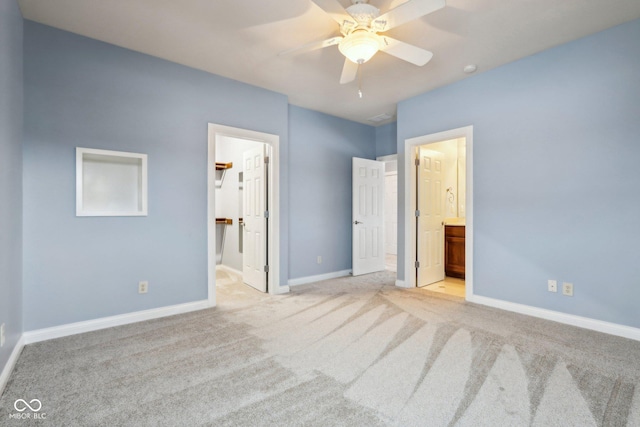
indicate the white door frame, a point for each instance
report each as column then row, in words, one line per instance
column 273, row 142
column 410, row 204
column 387, row 175
column 389, row 159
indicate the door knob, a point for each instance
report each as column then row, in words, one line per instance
column 358, row 222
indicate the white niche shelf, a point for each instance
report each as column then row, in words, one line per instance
column 110, row 183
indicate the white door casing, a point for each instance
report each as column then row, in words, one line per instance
column 407, row 257
column 368, row 216
column 254, row 208
column 391, row 213
column 272, row 142
column 430, row 223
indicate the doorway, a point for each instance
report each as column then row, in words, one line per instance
column 241, row 196
column 427, row 224
column 440, row 218
column 225, row 221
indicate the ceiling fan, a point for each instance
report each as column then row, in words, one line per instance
column 360, row 24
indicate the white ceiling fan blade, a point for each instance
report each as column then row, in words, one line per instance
column 349, row 72
column 405, row 51
column 413, row 9
column 334, row 9
column 319, row 44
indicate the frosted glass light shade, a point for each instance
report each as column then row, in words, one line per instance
column 360, row 46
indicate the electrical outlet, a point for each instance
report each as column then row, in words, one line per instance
column 319, row 259
column 143, row 287
column 2, row 335
column 552, row 285
column 567, row 289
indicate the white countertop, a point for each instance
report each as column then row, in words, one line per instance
column 460, row 222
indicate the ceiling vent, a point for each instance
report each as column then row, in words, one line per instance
column 379, row 118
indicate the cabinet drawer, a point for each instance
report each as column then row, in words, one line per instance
column 454, row 230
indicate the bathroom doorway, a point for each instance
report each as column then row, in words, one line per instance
column 438, row 222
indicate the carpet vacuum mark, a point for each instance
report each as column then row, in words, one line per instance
column 343, row 352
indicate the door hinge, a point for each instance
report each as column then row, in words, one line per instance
column 417, row 162
column 417, row 264
column 417, row 213
column 266, row 214
column 266, row 268
column 266, row 160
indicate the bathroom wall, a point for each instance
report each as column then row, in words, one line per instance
column 462, row 178
column 449, row 174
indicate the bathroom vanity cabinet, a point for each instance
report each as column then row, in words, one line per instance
column 454, row 250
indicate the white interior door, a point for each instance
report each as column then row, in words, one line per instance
column 430, row 203
column 254, row 242
column 391, row 213
column 368, row 216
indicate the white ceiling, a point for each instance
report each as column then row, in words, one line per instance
column 241, row 39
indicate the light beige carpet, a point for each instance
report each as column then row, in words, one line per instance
column 350, row 351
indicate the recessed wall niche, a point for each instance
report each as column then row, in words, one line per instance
column 110, row 183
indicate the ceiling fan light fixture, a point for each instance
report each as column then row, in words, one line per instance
column 360, row 46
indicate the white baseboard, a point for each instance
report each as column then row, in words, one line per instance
column 556, row 316
column 281, row 290
column 230, row 269
column 11, row 363
column 108, row 322
column 318, row 278
column 403, row 284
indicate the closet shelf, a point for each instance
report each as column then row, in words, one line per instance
column 226, row 221
column 221, row 166
column 221, row 171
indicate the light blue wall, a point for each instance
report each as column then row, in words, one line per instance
column 11, row 100
column 81, row 92
column 556, row 176
column 321, row 148
column 386, row 142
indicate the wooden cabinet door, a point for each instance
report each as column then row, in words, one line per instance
column 454, row 251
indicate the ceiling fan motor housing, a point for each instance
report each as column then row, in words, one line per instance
column 363, row 13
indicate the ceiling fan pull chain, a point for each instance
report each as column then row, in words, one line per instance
column 360, row 80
